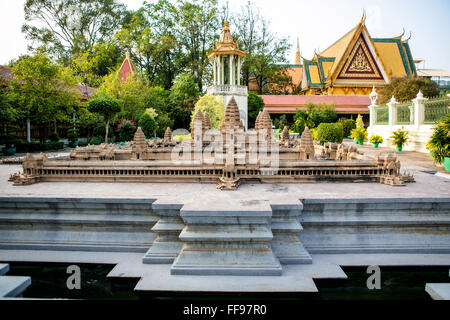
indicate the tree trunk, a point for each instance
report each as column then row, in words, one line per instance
column 107, row 129
column 54, row 123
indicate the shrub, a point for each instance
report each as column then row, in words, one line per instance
column 23, row 146
column 148, row 125
column 215, row 108
column 330, row 132
column 439, row 143
column 376, row 139
column 359, row 122
column 400, row 137
column 313, row 133
column 127, row 128
column 82, row 143
column 348, row 125
column 163, row 121
column 54, row 145
column 359, row 134
column 72, row 136
column 54, row 137
column 298, row 126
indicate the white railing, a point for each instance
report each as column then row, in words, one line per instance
column 419, row 129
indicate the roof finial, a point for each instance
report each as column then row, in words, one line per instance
column 225, row 24
column 297, row 54
column 127, row 55
column 363, row 18
column 400, row 36
column 410, row 35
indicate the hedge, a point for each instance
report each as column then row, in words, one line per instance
column 330, row 132
column 348, row 125
column 22, row 146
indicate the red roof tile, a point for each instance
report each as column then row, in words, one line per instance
column 296, row 100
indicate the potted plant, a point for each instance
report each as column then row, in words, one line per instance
column 440, row 141
column 400, row 138
column 360, row 135
column 375, row 140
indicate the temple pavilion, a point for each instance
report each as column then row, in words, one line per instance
column 344, row 73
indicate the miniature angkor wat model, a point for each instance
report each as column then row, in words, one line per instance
column 227, row 157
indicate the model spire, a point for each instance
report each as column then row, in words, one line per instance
column 297, row 54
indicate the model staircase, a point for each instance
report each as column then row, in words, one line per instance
column 253, row 238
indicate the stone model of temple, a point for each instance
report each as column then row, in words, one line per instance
column 227, row 157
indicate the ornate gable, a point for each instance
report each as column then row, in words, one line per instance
column 360, row 63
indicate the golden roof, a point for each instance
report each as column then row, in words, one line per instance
column 226, row 45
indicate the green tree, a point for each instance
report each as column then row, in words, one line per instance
column 264, row 50
column 148, row 125
column 255, row 105
column 151, row 39
column 212, row 105
column 7, row 112
column 105, row 106
column 406, row 89
column 131, row 94
column 197, row 29
column 66, row 27
column 95, row 63
column 42, row 91
column 184, row 94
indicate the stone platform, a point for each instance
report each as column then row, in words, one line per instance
column 260, row 238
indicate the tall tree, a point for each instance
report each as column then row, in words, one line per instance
column 66, row 27
column 151, row 39
column 95, row 63
column 264, row 49
column 197, row 30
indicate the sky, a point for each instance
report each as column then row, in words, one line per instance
column 317, row 24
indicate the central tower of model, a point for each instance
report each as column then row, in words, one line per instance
column 227, row 61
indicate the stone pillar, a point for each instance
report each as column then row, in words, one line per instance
column 231, row 69
column 214, row 71
column 28, row 131
column 373, row 99
column 392, row 105
column 419, row 109
column 222, row 69
column 239, row 71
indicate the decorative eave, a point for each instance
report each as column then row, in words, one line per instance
column 223, row 50
column 359, row 30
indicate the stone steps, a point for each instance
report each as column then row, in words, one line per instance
column 12, row 286
column 122, row 225
column 376, row 225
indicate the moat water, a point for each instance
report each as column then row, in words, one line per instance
column 397, row 283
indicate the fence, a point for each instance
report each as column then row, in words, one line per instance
column 418, row 117
column 435, row 109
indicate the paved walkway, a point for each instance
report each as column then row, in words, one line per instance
column 412, row 158
column 18, row 157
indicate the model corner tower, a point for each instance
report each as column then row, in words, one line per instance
column 227, row 60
